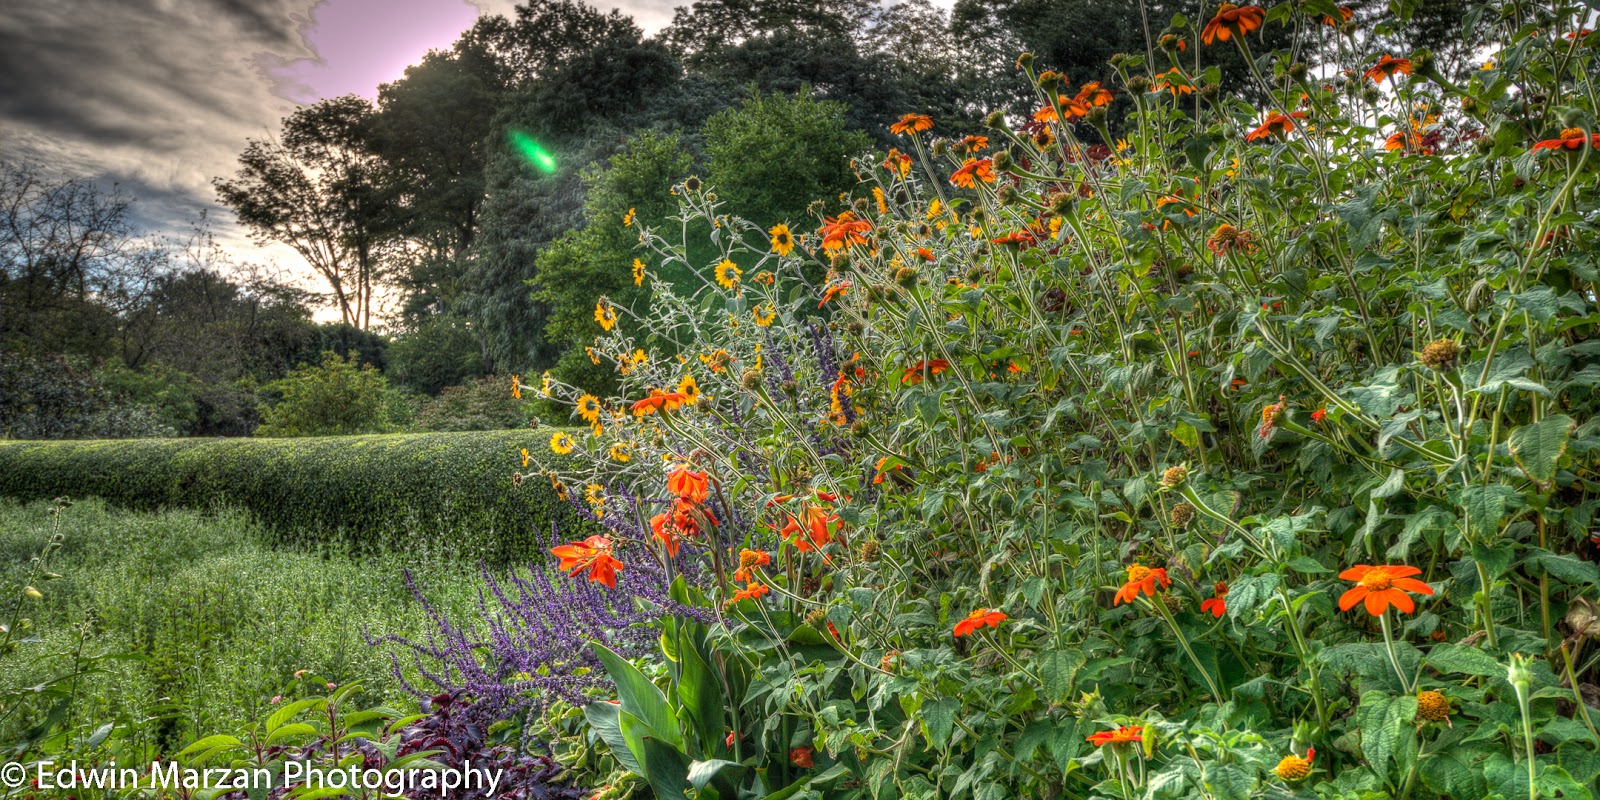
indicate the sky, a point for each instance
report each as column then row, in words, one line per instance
column 160, row 96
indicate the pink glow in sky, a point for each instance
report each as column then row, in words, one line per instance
column 363, row 43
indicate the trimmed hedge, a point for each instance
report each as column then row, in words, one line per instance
column 448, row 492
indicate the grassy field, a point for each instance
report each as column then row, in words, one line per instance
column 217, row 618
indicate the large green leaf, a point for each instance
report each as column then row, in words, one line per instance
column 1382, row 720
column 1538, row 447
column 666, row 768
column 605, row 719
column 722, row 776
column 640, row 697
column 700, row 695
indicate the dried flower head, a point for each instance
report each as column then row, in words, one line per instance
column 1440, row 354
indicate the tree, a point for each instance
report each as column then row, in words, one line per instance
column 321, row 189
column 775, row 154
column 69, row 260
column 441, row 351
column 337, row 397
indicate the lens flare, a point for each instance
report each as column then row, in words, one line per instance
column 533, row 152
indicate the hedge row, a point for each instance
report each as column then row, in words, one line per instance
column 449, row 492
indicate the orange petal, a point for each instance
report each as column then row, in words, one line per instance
column 1378, row 602
column 1412, row 585
column 1400, row 600
column 1403, row 571
column 1349, row 599
column 1356, row 572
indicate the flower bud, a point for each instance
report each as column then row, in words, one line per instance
column 941, row 148
column 1049, row 80
column 1182, row 514
column 1175, row 476
column 906, row 276
column 1441, row 354
column 1008, row 195
column 1061, row 204
column 1096, row 116
column 751, row 380
column 1118, row 60
column 1002, row 160
column 869, row 551
column 1138, row 84
column 1297, row 70
column 1025, row 60
column 995, row 120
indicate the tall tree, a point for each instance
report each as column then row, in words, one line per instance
column 320, row 188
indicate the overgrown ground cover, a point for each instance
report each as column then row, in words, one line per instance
column 213, row 615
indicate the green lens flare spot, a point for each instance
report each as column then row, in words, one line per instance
column 533, row 152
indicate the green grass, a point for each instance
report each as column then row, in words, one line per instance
column 219, row 617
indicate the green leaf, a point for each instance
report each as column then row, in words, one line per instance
column 1057, row 669
column 722, row 776
column 1454, row 658
column 666, row 768
column 1228, row 782
column 1450, row 774
column 938, row 718
column 1538, row 447
column 701, row 697
column 605, row 719
column 1382, row 720
column 639, row 696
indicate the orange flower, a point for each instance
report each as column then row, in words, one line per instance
column 979, row 618
column 1141, row 579
column 657, row 401
column 1345, row 15
column 1570, row 139
column 748, row 561
column 1319, row 415
column 1382, row 586
column 1170, row 81
column 1071, row 106
column 812, row 533
column 1276, row 124
column 881, row 471
column 592, row 554
column 1269, row 417
column 688, row 484
column 1232, row 20
column 801, row 757
column 1122, row 735
column 912, row 123
column 1023, row 239
column 973, row 144
column 834, row 291
column 972, row 171
column 843, row 230
column 915, row 373
column 897, row 161
column 1387, row 67
column 751, row 591
column 1092, row 94
column 1227, row 239
column 1218, row 604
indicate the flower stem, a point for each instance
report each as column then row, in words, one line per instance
column 1388, row 643
column 1161, row 608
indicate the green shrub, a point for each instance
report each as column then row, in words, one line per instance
column 335, row 398
column 482, row 404
column 363, row 491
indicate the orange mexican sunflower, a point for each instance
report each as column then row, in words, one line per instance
column 592, row 554
column 1319, row 415
column 843, row 230
column 1570, row 139
column 1141, row 579
column 833, row 291
column 1092, row 94
column 979, row 618
column 687, row 484
column 1382, row 586
column 751, row 591
column 657, row 401
column 1173, row 80
column 915, row 373
column 897, row 161
column 1387, row 67
column 1232, row 20
column 1276, row 124
column 881, row 471
column 912, row 123
column 1022, row 239
column 1345, row 15
column 1218, row 604
column 1228, row 239
column 1070, row 106
column 972, row 171
column 748, row 561
column 801, row 757
column 973, row 144
column 812, row 533
column 1122, row 735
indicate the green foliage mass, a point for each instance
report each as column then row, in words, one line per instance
column 367, row 492
column 774, row 154
column 335, row 398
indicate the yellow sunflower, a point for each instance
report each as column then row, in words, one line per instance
column 524, row 458
column 689, row 389
column 559, row 487
column 764, row 314
column 638, row 272
column 782, row 239
column 728, row 274
column 633, row 362
column 544, row 388
column 589, row 408
column 627, row 219
column 883, row 204
column 561, row 444
column 516, row 387
column 605, row 314
column 594, row 355
column 620, row 452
